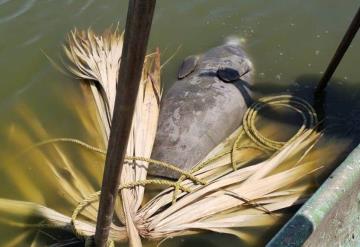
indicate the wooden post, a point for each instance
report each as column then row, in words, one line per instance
column 340, row 52
column 138, row 25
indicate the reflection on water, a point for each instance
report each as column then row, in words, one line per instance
column 289, row 42
column 19, row 9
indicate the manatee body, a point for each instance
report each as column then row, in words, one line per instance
column 204, row 106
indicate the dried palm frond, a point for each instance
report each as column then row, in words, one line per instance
column 51, row 179
column 223, row 204
column 95, row 59
column 16, row 213
column 98, row 58
column 241, row 185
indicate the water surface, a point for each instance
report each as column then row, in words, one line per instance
column 289, row 42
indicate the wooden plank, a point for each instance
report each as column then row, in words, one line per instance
column 138, row 25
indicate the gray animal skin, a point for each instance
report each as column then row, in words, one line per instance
column 204, row 106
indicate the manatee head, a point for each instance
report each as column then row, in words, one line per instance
column 228, row 62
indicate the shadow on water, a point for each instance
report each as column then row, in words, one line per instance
column 192, row 242
column 338, row 108
column 204, row 239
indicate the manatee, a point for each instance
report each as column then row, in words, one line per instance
column 203, row 107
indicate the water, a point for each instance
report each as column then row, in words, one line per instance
column 289, row 42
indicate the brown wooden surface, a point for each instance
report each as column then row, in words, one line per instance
column 138, row 25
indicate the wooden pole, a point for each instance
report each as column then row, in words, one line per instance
column 138, row 25
column 340, row 52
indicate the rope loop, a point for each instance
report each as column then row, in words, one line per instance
column 249, row 129
column 261, row 142
column 294, row 103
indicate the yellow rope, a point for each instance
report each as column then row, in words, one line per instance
column 169, row 166
column 135, row 158
column 305, row 110
column 233, row 150
column 297, row 104
column 262, row 143
column 70, row 140
column 95, row 196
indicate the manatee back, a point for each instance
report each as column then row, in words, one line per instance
column 198, row 112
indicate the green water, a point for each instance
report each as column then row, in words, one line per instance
column 289, row 42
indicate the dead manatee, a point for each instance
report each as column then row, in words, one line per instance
column 203, row 107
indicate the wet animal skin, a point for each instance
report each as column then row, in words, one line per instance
column 203, row 107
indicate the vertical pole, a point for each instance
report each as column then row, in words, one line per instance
column 138, row 25
column 340, row 52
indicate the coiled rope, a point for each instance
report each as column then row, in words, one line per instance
column 296, row 104
column 248, row 128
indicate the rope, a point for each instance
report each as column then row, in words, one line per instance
column 70, row 140
column 95, row 196
column 296, row 104
column 262, row 143
column 102, row 151
column 249, row 129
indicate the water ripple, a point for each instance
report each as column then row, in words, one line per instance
column 25, row 7
column 3, row 1
column 31, row 40
column 85, row 6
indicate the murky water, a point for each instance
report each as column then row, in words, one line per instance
column 290, row 44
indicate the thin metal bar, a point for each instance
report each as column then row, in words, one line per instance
column 340, row 52
column 138, row 25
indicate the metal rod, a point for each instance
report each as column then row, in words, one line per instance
column 340, row 52
column 137, row 30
